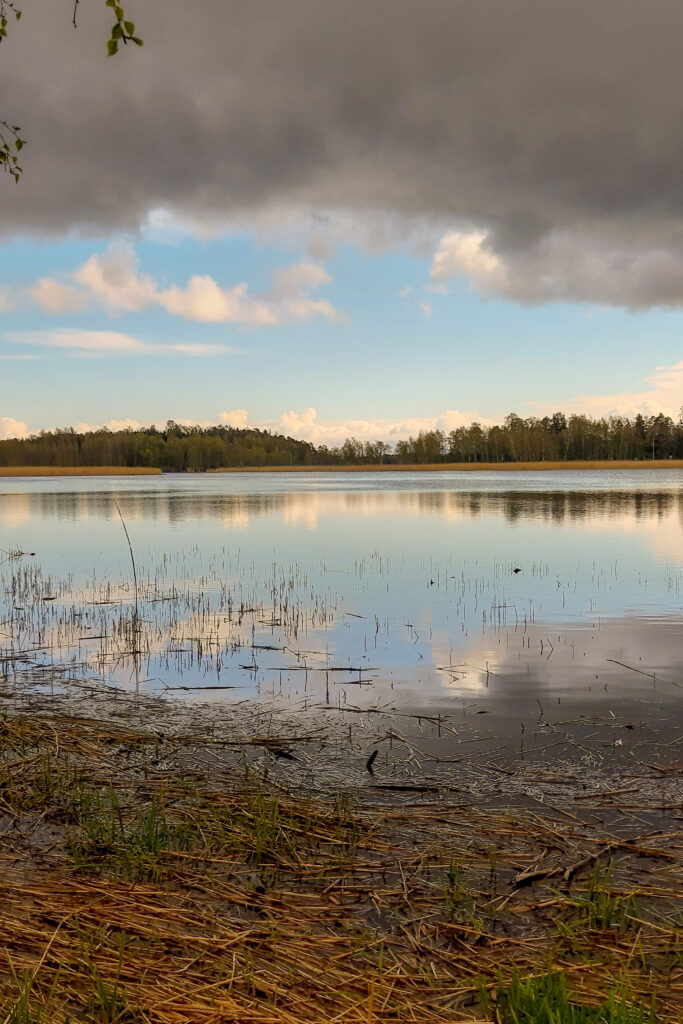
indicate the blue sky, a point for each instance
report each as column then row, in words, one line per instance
column 385, row 351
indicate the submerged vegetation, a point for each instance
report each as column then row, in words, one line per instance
column 182, row 448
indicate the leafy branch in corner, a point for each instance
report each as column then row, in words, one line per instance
column 122, row 31
column 7, row 9
column 10, row 144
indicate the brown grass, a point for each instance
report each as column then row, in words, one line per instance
column 466, row 467
column 279, row 910
column 77, row 471
column 438, row 467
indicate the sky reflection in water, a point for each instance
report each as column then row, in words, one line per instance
column 265, row 583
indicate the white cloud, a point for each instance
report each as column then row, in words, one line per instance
column 12, row 428
column 306, row 426
column 665, row 395
column 205, row 301
column 5, row 301
column 468, row 254
column 112, row 282
column 234, row 418
column 451, row 419
column 98, row 343
column 426, row 308
column 54, row 297
column 291, row 290
column 124, row 424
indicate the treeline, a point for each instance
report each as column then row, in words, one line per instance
column 176, row 448
column 555, row 438
column 181, row 448
column 552, row 438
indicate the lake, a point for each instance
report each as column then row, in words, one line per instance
column 362, row 593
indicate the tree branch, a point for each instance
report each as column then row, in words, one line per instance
column 122, row 31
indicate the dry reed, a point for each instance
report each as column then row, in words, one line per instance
column 245, row 902
column 466, row 467
column 78, row 471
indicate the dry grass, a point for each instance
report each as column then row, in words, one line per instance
column 447, row 467
column 135, row 892
column 77, row 471
column 466, row 467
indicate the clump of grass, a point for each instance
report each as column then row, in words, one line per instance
column 107, row 1001
column 346, row 826
column 457, row 897
column 262, row 829
column 266, row 829
column 19, row 1010
column 132, row 850
column 459, row 903
column 600, row 908
column 546, row 1000
column 53, row 787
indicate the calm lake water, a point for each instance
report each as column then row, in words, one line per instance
column 360, row 591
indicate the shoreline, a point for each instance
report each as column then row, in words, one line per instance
column 10, row 471
column 466, row 467
column 437, row 467
column 271, row 904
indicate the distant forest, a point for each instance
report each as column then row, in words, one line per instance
column 181, row 448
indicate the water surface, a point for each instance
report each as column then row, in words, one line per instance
column 363, row 591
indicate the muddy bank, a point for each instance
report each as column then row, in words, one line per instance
column 563, row 760
column 169, row 866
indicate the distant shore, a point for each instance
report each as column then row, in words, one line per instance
column 466, row 467
column 78, row 471
column 437, row 467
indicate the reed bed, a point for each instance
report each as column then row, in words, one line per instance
column 78, row 471
column 465, row 467
column 141, row 884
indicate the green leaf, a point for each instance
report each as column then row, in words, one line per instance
column 117, row 32
column 112, row 47
column 129, row 27
column 138, row 42
column 118, row 11
column 18, row 144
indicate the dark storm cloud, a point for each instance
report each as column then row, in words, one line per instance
column 554, row 127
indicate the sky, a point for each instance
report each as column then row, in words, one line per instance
column 332, row 219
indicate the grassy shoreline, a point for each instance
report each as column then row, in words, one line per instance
column 144, row 879
column 439, row 467
column 465, row 467
column 9, row 471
